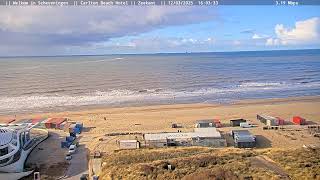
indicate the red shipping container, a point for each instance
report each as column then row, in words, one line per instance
column 36, row 120
column 217, row 123
column 54, row 122
column 216, row 120
column 298, row 120
column 48, row 125
column 280, row 121
column 59, row 121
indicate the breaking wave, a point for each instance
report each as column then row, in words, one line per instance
column 121, row 97
column 257, row 84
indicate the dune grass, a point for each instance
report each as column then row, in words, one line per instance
column 207, row 163
column 299, row 163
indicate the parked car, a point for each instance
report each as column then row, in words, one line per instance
column 68, row 157
column 72, row 149
column 84, row 177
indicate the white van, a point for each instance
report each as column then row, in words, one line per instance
column 72, row 149
column 246, row 125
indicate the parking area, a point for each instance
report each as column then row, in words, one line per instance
column 48, row 157
column 78, row 165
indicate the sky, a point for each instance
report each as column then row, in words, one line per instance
column 42, row 31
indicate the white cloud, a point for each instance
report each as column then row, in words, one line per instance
column 210, row 40
column 257, row 36
column 304, row 32
column 57, row 28
column 271, row 42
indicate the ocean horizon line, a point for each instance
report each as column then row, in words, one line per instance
column 167, row 53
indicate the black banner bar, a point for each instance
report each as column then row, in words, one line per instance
column 155, row 2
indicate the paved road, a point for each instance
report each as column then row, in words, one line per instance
column 78, row 164
column 263, row 162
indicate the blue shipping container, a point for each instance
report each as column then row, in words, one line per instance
column 62, row 144
column 68, row 145
column 69, row 139
column 79, row 126
column 77, row 130
column 65, row 144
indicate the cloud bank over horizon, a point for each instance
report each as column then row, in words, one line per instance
column 67, row 27
column 305, row 32
column 104, row 30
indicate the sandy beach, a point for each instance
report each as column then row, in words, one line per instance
column 122, row 118
column 159, row 118
column 102, row 121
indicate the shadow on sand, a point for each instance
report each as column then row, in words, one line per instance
column 311, row 123
column 262, row 142
column 87, row 129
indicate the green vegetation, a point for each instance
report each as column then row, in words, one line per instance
column 207, row 163
column 299, row 163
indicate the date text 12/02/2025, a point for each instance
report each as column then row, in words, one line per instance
column 190, row 3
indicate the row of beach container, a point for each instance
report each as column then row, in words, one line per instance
column 55, row 123
column 208, row 123
column 63, row 124
column 276, row 121
column 269, row 120
column 73, row 128
column 265, row 119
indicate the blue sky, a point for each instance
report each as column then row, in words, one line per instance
column 112, row 30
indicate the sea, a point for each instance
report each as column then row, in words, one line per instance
column 42, row 84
